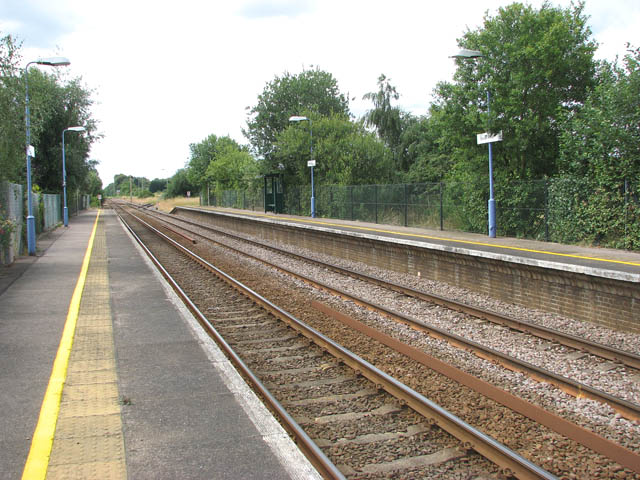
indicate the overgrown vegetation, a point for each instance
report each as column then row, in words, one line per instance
column 567, row 170
column 56, row 103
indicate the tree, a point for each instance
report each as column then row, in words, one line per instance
column 384, row 117
column 11, row 112
column 233, row 168
column 600, row 145
column 345, row 152
column 535, row 63
column 310, row 92
column 203, row 167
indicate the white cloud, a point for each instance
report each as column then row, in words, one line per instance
column 169, row 74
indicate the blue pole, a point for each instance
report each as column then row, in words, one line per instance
column 31, row 221
column 64, row 184
column 313, row 197
column 492, row 202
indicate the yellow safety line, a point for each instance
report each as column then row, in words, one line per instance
column 38, row 459
column 468, row 242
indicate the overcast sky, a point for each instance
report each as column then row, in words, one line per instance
column 167, row 74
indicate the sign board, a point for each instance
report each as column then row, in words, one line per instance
column 489, row 137
column 31, row 151
column 311, row 163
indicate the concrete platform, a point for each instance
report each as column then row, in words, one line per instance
column 595, row 285
column 143, row 393
column 606, row 262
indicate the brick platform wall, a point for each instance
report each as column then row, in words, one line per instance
column 612, row 303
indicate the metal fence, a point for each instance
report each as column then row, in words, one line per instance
column 562, row 209
column 47, row 210
column 12, row 208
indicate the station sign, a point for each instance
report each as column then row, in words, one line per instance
column 489, row 137
column 311, row 163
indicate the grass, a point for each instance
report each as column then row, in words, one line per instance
column 166, row 205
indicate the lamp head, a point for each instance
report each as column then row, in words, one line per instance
column 297, row 118
column 54, row 61
column 464, row 53
column 76, row 129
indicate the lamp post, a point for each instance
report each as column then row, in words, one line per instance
column 311, row 163
column 31, row 222
column 64, row 172
column 471, row 54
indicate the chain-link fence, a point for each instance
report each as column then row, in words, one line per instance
column 11, row 210
column 562, row 209
column 47, row 210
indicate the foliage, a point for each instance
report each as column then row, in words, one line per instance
column 158, row 184
column 310, row 92
column 220, row 161
column 11, row 111
column 55, row 104
column 7, row 227
column 179, row 184
column 344, row 151
column 384, row 117
column 601, row 143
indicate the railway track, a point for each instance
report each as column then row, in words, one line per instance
column 340, row 400
column 280, row 367
column 575, row 388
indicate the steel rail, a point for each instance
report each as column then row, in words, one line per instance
column 316, row 456
column 604, row 351
column 627, row 409
column 510, row 462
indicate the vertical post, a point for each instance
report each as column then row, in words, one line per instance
column 441, row 209
column 492, row 202
column 313, row 196
column 546, row 210
column 64, row 185
column 626, row 211
column 375, row 199
column 406, row 206
column 31, row 221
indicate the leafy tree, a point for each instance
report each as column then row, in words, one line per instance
column 214, row 160
column 233, row 168
column 385, row 118
column 179, row 184
column 310, row 92
column 11, row 112
column 600, row 144
column 158, row 185
column 535, row 63
column 345, row 152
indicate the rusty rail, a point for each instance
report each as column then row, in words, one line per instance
column 510, row 462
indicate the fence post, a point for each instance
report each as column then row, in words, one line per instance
column 441, row 209
column 351, row 200
column 375, row 198
column 406, row 207
column 546, row 210
column 626, row 211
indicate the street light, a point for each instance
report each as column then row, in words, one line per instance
column 64, row 172
column 311, row 163
column 471, row 54
column 31, row 222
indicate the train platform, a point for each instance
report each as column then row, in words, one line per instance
column 104, row 374
column 601, row 262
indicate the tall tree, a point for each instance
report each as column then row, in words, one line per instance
column 309, row 92
column 384, row 117
column 345, row 153
column 535, row 62
column 11, row 112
